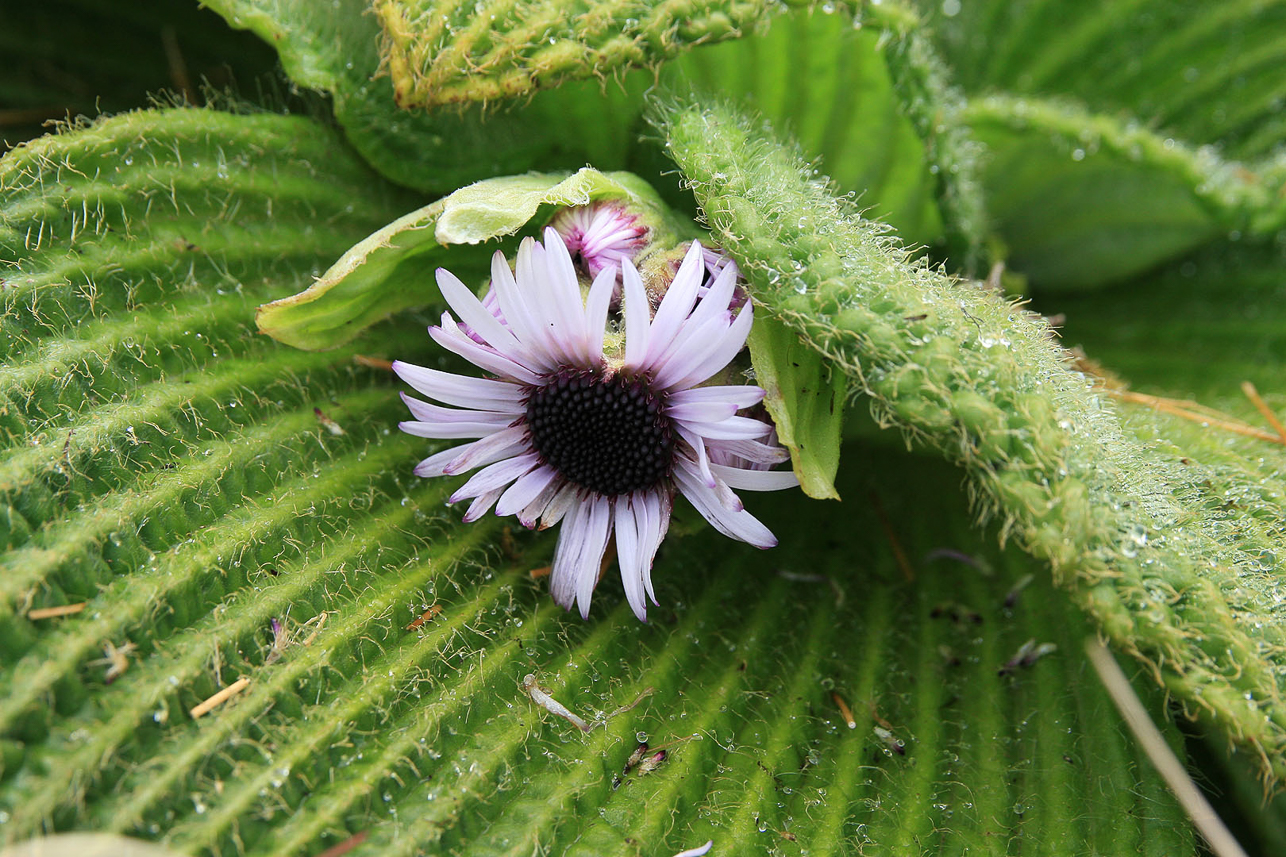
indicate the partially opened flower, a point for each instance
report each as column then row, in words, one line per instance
column 592, row 420
column 603, row 234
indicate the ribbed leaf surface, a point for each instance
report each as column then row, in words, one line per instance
column 1086, row 200
column 1206, row 72
column 171, row 469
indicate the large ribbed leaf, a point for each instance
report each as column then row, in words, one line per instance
column 1206, row 72
column 1086, row 200
column 1139, row 536
column 239, row 515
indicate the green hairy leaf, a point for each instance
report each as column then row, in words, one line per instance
column 335, row 49
column 1132, row 534
column 444, row 52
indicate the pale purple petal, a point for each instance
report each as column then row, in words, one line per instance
column 658, row 506
column 457, row 459
column 480, row 505
column 638, row 312
column 435, row 465
column 688, row 353
column 739, row 525
column 755, row 480
column 742, row 396
column 428, row 413
column 473, row 313
column 571, row 544
column 481, row 393
column 495, row 476
column 598, row 529
column 568, row 304
column 579, row 554
column 542, row 301
column 567, row 498
column 596, row 306
column 729, row 344
column 706, row 412
column 698, row 445
column 527, row 325
column 450, row 337
column 525, row 490
column 726, row 496
column 532, row 512
column 733, row 428
column 449, row 431
column 629, row 555
column 676, row 305
column 503, row 444
column 752, row 451
column 717, row 298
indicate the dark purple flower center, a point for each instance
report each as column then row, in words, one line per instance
column 609, row 435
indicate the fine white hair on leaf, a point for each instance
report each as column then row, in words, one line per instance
column 552, row 705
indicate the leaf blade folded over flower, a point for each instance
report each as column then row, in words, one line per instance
column 391, row 269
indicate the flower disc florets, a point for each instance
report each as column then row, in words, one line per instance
column 582, row 425
column 609, row 435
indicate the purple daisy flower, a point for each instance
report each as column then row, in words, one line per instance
column 596, row 421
